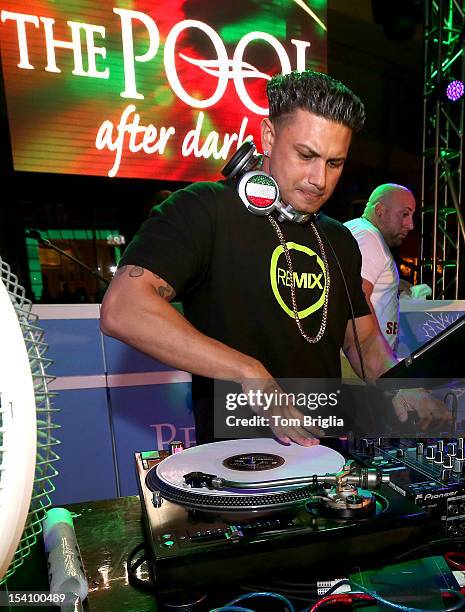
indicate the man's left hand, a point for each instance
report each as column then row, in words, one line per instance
column 424, row 405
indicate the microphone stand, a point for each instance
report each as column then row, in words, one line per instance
column 44, row 241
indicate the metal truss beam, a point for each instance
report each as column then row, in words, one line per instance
column 442, row 225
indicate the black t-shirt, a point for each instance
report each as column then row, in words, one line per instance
column 229, row 270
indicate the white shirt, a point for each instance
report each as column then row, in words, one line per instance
column 379, row 268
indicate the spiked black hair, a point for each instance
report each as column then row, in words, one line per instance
column 317, row 93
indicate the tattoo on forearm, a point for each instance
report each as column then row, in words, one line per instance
column 136, row 271
column 166, row 292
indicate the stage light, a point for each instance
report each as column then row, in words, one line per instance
column 455, row 90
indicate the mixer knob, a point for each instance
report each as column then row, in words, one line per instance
column 460, row 454
column 440, row 445
column 400, row 453
column 448, row 462
column 364, row 445
column 460, row 443
column 439, row 457
column 452, row 449
column 367, row 445
column 430, row 452
column 458, row 466
column 445, row 475
column 420, row 449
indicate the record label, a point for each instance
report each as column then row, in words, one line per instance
column 253, row 462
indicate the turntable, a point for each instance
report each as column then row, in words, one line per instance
column 256, row 508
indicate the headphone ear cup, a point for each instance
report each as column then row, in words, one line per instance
column 239, row 160
column 258, row 191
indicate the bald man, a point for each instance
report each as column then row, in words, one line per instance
column 386, row 221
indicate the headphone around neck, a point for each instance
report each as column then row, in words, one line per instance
column 257, row 189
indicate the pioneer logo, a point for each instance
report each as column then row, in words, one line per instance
column 429, row 496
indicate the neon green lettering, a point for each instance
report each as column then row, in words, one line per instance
column 303, row 280
column 281, row 275
column 316, row 280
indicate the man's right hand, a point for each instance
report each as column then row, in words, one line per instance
column 136, row 310
column 285, row 420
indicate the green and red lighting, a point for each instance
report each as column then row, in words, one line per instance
column 165, row 90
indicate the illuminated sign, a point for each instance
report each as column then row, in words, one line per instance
column 137, row 88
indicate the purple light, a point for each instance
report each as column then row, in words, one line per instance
column 455, row 90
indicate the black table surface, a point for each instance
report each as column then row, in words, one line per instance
column 107, row 531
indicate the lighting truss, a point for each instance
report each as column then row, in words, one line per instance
column 442, row 225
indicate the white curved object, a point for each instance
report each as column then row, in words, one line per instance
column 298, row 461
column 18, row 431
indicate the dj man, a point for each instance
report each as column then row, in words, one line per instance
column 262, row 299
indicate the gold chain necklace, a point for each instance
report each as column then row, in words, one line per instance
column 324, row 317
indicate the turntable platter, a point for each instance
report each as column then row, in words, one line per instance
column 247, row 461
column 268, row 460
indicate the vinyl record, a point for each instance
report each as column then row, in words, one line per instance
column 248, row 461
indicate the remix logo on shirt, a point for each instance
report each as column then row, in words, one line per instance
column 309, row 279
